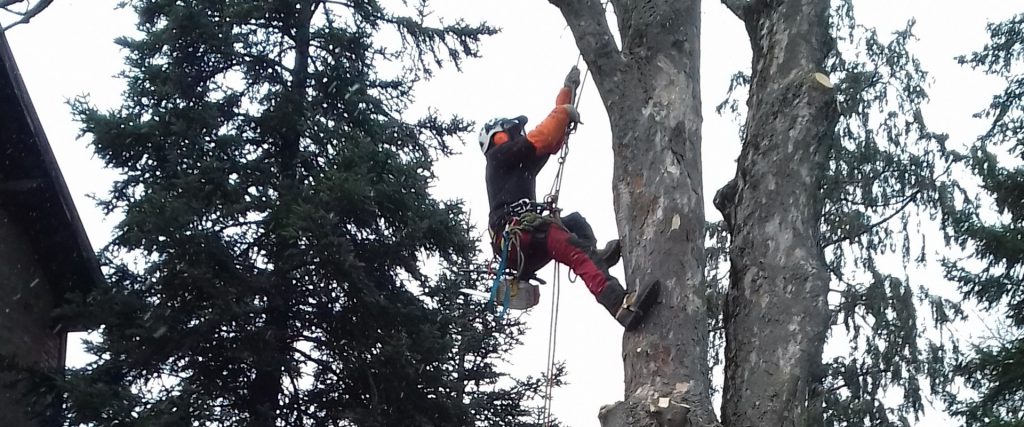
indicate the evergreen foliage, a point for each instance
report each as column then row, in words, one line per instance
column 270, row 265
column 994, row 369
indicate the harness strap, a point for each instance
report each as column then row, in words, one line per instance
column 506, row 242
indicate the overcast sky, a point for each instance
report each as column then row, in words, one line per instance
column 69, row 51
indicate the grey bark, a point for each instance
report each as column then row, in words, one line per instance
column 776, row 313
column 651, row 90
column 31, row 11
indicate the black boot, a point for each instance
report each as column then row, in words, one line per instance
column 611, row 297
column 628, row 308
column 611, row 253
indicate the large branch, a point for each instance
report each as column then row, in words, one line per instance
column 738, row 8
column 27, row 16
column 586, row 19
column 747, row 11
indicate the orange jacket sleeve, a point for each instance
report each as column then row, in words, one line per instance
column 549, row 135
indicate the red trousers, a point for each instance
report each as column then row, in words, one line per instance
column 552, row 241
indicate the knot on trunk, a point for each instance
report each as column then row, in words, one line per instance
column 725, row 199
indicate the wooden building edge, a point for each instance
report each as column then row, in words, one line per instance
column 46, row 259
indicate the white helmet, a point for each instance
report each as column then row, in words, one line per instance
column 513, row 126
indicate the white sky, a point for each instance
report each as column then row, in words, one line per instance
column 69, row 50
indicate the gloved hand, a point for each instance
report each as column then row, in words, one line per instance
column 574, row 114
column 572, row 80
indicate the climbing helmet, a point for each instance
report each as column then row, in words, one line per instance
column 513, row 127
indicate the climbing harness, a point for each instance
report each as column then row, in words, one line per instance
column 515, row 290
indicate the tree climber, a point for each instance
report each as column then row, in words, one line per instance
column 514, row 158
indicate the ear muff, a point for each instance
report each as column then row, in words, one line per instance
column 487, row 133
column 499, row 131
column 500, row 138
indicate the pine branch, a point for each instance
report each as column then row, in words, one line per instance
column 319, row 362
column 860, row 375
column 265, row 60
column 903, row 207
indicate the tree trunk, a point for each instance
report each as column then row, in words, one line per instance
column 651, row 89
column 267, row 385
column 776, row 313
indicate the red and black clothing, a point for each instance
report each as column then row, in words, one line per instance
column 511, row 174
column 517, row 157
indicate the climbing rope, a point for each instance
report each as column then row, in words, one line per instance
column 509, row 237
column 551, row 201
column 556, row 185
column 556, row 294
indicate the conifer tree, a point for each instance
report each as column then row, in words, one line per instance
column 268, row 269
column 994, row 368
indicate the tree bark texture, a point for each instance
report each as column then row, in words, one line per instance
column 776, row 313
column 651, row 90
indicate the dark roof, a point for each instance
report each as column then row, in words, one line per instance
column 33, row 191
